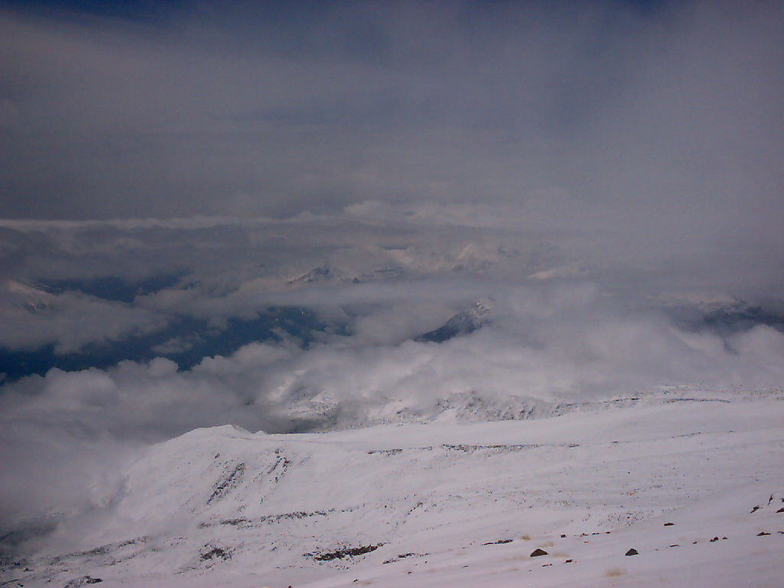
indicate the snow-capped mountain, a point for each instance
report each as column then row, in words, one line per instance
column 462, row 323
column 26, row 296
column 322, row 273
column 676, row 490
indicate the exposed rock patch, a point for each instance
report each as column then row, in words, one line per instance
column 226, row 483
column 82, row 581
column 343, row 553
column 499, row 542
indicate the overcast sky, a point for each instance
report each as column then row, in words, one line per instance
column 234, row 108
column 652, row 128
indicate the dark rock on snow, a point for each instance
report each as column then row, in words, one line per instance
column 499, row 542
column 350, row 552
column 82, row 581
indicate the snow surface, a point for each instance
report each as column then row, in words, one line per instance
column 447, row 504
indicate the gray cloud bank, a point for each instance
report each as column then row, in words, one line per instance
column 671, row 115
column 657, row 133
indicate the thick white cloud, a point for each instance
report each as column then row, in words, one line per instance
column 547, row 345
column 33, row 318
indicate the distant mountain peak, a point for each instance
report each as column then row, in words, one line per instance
column 321, row 273
column 31, row 297
column 462, row 323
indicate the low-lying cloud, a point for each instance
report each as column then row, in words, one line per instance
column 544, row 346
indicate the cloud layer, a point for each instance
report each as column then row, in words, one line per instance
column 547, row 345
column 642, row 117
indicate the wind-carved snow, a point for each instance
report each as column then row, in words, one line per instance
column 446, row 504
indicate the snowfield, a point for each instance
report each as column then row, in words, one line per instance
column 693, row 481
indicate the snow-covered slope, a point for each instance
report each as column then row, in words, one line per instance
column 445, row 504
